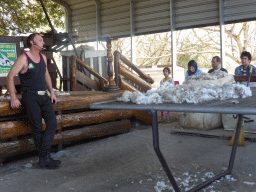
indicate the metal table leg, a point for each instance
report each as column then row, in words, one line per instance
column 166, row 168
column 158, row 152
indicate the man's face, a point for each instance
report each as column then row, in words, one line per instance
column 39, row 41
column 245, row 61
column 215, row 64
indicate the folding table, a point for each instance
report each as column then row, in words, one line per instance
column 246, row 106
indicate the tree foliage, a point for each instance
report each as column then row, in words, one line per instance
column 23, row 16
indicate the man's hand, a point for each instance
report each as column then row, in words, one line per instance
column 15, row 103
column 53, row 98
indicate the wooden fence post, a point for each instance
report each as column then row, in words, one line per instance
column 73, row 82
column 111, row 84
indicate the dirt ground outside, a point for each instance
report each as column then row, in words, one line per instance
column 128, row 163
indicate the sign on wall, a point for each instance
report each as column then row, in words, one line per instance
column 8, row 56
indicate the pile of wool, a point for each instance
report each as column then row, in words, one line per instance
column 142, row 98
column 207, row 76
column 197, row 89
column 5, row 98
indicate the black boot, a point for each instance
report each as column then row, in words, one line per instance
column 48, row 161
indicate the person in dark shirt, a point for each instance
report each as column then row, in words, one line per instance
column 35, row 80
column 216, row 65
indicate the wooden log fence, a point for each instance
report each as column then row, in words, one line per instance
column 75, row 100
column 117, row 66
column 91, row 83
column 12, row 129
column 15, row 135
column 134, row 78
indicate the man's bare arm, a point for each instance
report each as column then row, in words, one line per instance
column 49, row 84
column 19, row 64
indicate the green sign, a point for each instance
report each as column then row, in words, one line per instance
column 8, row 56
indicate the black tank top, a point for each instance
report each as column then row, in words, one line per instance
column 34, row 78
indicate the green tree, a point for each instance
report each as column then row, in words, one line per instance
column 22, row 16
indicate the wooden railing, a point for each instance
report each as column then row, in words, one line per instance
column 76, row 74
column 245, row 78
column 127, row 80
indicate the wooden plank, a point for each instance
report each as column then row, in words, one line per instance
column 214, row 133
column 144, row 116
column 67, row 102
column 12, row 129
column 128, row 87
column 245, row 78
column 134, row 78
column 90, row 69
column 81, row 77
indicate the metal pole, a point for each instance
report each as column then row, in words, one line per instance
column 98, row 22
column 159, row 153
column 222, row 33
column 173, row 38
column 132, row 24
column 46, row 14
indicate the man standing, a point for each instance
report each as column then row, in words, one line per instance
column 244, row 69
column 35, row 79
column 216, row 65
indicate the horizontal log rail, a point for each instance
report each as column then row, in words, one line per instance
column 134, row 78
column 133, row 67
column 12, row 129
column 126, row 86
column 102, row 80
column 76, row 100
column 145, row 79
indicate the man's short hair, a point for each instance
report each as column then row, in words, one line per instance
column 217, row 58
column 31, row 37
column 246, row 54
column 168, row 69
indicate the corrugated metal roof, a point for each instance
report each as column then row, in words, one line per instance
column 148, row 16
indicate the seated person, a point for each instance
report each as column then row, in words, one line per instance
column 216, row 65
column 244, row 69
column 166, row 78
column 192, row 69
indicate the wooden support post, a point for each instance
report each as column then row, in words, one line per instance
column 65, row 73
column 73, row 75
column 117, row 69
column 111, row 84
column 60, row 144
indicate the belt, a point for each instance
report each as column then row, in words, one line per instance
column 41, row 92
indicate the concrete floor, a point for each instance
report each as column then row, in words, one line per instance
column 128, row 163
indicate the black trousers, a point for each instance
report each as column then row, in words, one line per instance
column 38, row 107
